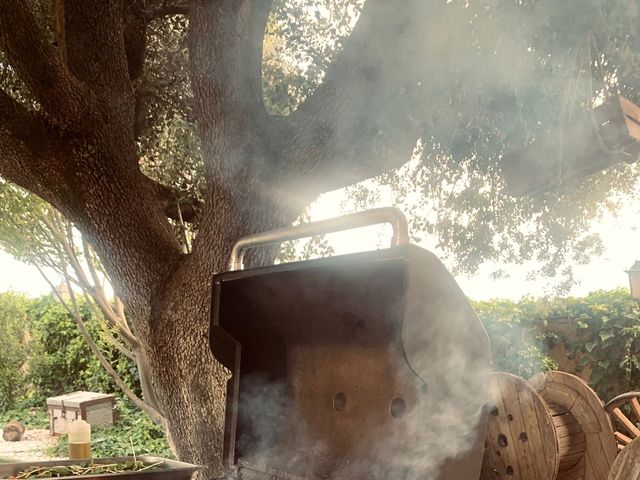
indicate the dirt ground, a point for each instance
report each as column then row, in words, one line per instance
column 33, row 447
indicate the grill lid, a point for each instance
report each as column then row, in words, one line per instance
column 370, row 365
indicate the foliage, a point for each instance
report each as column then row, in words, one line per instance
column 495, row 90
column 168, row 147
column 302, row 39
column 22, row 232
column 607, row 326
column 61, row 362
column 58, row 361
column 13, row 347
column 481, row 107
column 304, row 249
column 38, row 234
column 88, row 468
column 599, row 333
column 515, row 347
column 30, row 417
column 133, row 427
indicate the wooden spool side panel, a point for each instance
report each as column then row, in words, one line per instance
column 576, row 396
column 521, row 442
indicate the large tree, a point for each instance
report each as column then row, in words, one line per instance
column 90, row 91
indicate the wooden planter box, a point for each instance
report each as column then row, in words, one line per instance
column 94, row 408
column 171, row 469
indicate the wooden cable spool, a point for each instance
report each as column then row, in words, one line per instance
column 627, row 465
column 586, row 439
column 521, row 442
column 625, row 412
column 553, row 427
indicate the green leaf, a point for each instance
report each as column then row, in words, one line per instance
column 584, row 361
column 604, row 336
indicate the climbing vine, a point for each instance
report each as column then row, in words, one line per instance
column 595, row 337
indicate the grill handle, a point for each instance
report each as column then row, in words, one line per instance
column 376, row 216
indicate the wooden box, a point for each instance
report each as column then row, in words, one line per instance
column 94, row 408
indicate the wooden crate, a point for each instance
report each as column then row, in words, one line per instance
column 94, row 408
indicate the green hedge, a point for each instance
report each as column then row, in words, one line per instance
column 600, row 331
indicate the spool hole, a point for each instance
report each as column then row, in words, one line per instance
column 398, row 407
column 339, row 402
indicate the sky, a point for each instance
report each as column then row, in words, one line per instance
column 20, row 277
column 621, row 237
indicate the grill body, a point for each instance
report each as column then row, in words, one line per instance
column 372, row 365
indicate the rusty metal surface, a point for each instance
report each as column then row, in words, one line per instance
column 342, row 368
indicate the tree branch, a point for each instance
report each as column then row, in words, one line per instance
column 360, row 121
column 135, row 37
column 112, row 340
column 67, row 252
column 117, row 318
column 62, row 233
column 40, row 66
column 24, row 145
column 225, row 45
column 94, row 46
column 165, row 9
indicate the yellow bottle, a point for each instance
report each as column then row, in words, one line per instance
column 79, row 440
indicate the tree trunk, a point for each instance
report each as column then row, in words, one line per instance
column 193, row 383
column 77, row 150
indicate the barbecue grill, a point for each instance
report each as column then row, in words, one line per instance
column 363, row 366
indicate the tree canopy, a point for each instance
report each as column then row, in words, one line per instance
column 496, row 91
column 165, row 130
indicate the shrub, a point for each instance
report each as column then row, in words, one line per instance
column 13, row 348
column 61, row 361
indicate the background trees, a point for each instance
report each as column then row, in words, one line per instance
column 97, row 118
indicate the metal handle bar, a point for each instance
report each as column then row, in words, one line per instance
column 389, row 215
